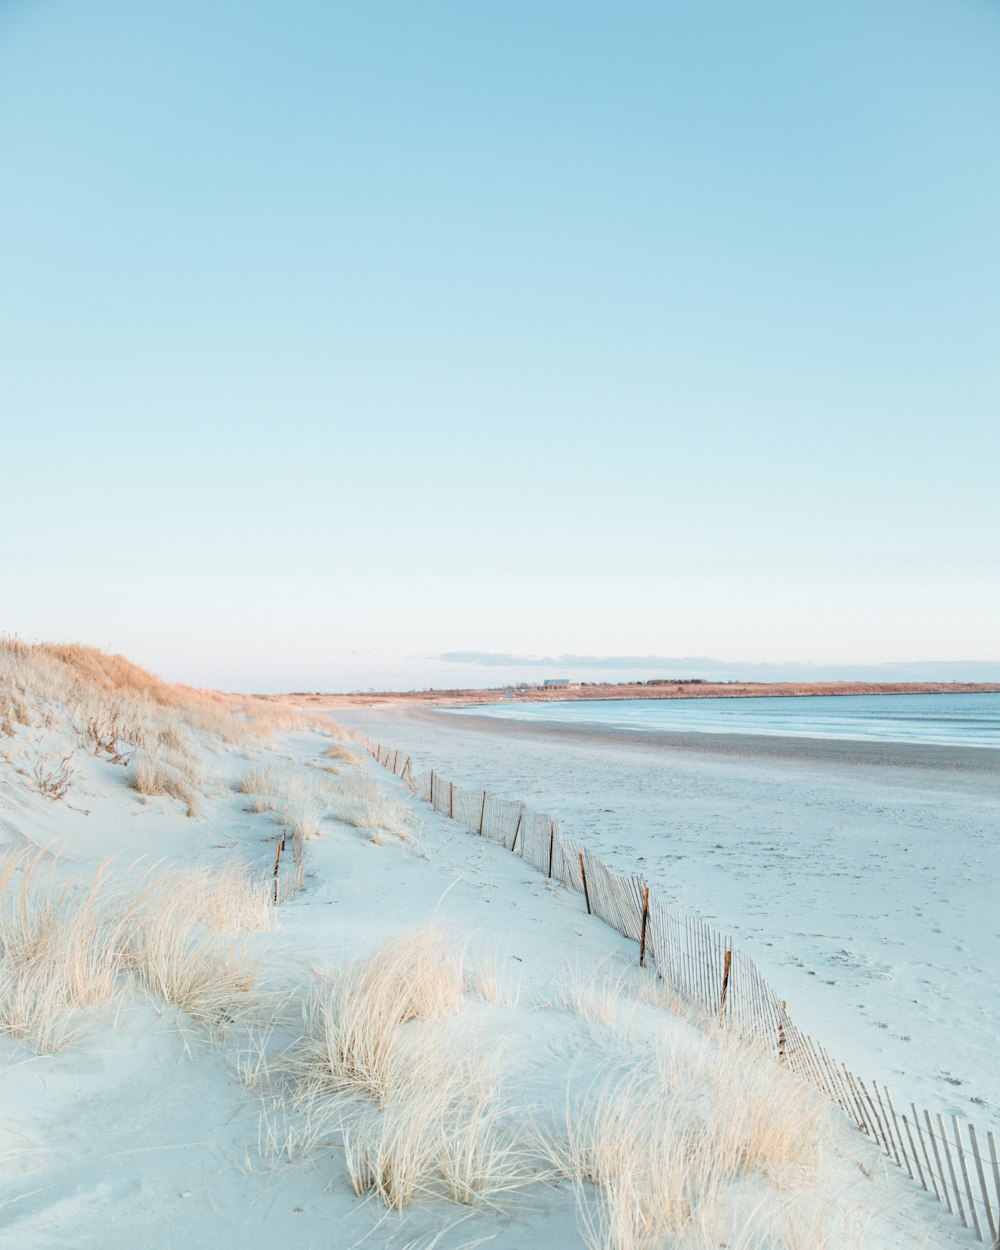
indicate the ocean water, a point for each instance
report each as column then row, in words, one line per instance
column 944, row 719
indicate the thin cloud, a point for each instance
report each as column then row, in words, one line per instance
column 732, row 670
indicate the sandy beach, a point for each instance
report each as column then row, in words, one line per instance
column 251, row 984
column 858, row 875
column 960, row 759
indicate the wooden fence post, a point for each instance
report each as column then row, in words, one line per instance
column 725, row 984
column 482, row 814
column 782, row 1041
column 277, row 864
column 645, row 918
column 451, row 800
column 552, row 839
column 432, row 787
column 586, row 892
column 517, row 828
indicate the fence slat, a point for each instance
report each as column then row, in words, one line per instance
column 987, row 1205
column 995, row 1165
column 960, row 1150
column 951, row 1170
column 940, row 1167
column 913, row 1149
column 895, row 1121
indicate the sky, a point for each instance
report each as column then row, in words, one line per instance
column 339, row 338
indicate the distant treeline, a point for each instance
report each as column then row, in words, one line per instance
column 674, row 681
column 660, row 681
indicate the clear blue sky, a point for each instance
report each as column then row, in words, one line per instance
column 338, row 336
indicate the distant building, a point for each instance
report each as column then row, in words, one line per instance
column 559, row 683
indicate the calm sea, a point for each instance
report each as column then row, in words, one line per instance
column 950, row 719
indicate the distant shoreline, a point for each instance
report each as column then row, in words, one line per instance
column 636, row 690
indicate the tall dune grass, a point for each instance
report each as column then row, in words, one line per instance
column 441, row 1131
column 67, row 946
column 354, row 1018
column 150, row 775
column 59, row 952
column 118, row 706
column 416, row 1110
column 304, row 797
column 663, row 1140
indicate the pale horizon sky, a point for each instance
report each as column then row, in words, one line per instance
column 337, row 338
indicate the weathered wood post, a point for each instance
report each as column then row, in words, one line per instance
column 552, row 841
column 482, row 814
column 432, row 787
column 782, row 1041
column 277, row 865
column 451, row 800
column 725, row 984
column 586, row 892
column 645, row 918
column 517, row 828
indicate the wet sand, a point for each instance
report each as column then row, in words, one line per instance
column 754, row 746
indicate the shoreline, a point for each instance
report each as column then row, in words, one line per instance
column 584, row 692
column 938, row 756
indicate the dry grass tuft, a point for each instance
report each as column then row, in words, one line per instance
column 380, row 1073
column 665, row 1139
column 208, row 978
column 180, row 941
column 67, row 947
column 304, row 797
column 361, row 802
column 758, row 1116
column 636, row 1163
column 598, row 995
column 338, row 751
column 151, row 776
column 224, row 898
column 355, row 1017
column 59, row 952
column 441, row 1132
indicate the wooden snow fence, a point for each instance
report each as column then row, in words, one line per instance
column 945, row 1155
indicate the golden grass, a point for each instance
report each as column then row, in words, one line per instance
column 120, row 706
column 663, row 1140
column 348, row 755
column 150, row 776
column 416, row 1110
column 304, row 797
column 361, row 802
column 440, row 1132
column 355, row 1017
column 68, row 947
column 59, row 952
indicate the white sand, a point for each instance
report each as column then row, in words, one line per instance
column 865, row 891
column 141, row 1134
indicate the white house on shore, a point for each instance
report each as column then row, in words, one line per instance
column 560, row 683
